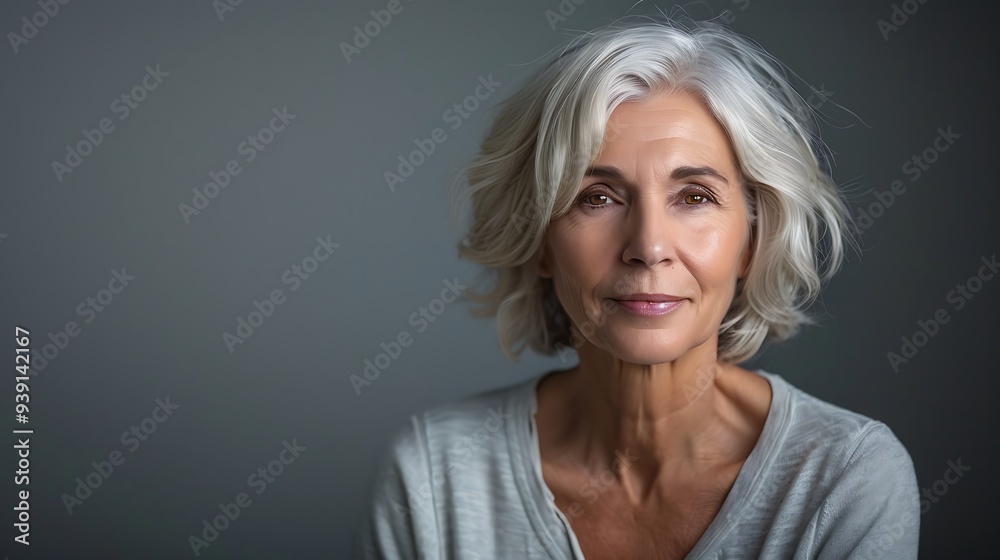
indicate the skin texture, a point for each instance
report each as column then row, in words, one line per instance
column 649, row 391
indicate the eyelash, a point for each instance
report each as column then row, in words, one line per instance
column 697, row 191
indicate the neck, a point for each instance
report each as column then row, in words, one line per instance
column 663, row 421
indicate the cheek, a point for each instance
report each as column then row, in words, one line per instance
column 579, row 261
column 711, row 254
column 581, row 251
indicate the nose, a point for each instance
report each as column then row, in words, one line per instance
column 648, row 230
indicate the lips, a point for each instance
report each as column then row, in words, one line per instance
column 648, row 305
column 650, row 298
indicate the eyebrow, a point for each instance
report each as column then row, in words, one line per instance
column 681, row 172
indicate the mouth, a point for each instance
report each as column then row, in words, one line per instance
column 648, row 305
column 651, row 298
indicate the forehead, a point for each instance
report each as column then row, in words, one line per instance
column 678, row 123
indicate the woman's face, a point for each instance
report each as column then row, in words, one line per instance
column 660, row 211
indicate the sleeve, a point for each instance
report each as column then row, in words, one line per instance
column 399, row 522
column 873, row 510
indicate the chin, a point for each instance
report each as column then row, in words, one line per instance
column 645, row 346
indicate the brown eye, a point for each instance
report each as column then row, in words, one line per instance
column 695, row 199
column 597, row 199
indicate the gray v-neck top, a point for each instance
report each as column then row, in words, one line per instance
column 464, row 481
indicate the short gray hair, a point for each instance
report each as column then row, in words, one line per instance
column 534, row 157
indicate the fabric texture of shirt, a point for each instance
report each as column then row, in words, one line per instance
column 464, row 481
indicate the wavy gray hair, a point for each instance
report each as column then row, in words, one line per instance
column 533, row 159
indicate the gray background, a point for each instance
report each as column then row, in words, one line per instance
column 323, row 176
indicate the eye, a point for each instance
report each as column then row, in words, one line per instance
column 596, row 200
column 698, row 198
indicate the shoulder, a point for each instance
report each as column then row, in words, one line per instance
column 813, row 445
column 852, row 474
column 466, row 438
column 442, row 460
column 439, row 430
column 815, row 426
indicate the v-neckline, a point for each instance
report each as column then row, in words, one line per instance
column 540, row 501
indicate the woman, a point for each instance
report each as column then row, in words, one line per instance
column 658, row 199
